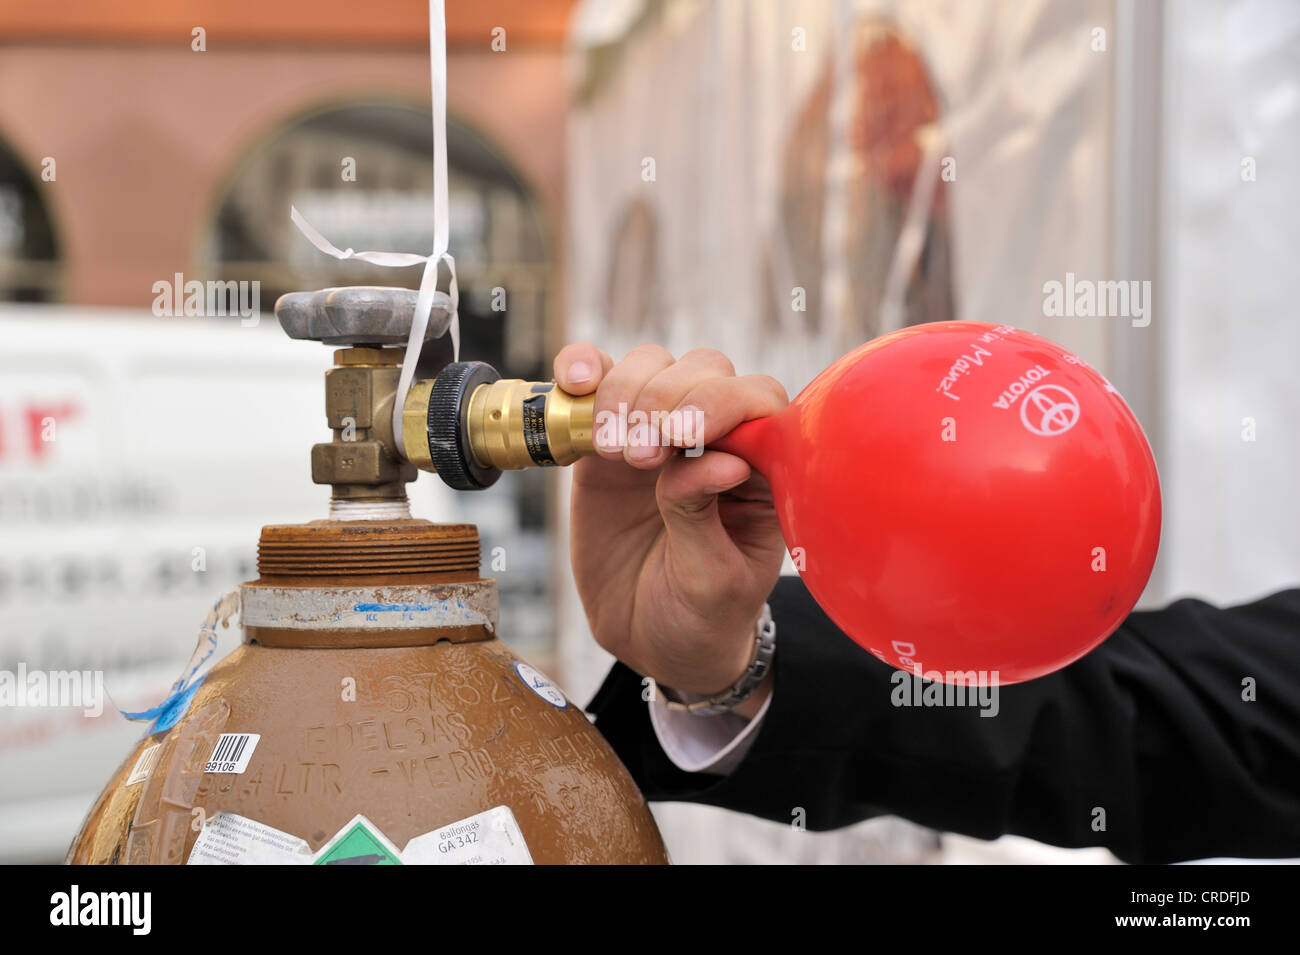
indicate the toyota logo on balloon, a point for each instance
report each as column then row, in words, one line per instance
column 1049, row 410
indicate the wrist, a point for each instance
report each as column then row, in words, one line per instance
column 749, row 707
column 742, row 690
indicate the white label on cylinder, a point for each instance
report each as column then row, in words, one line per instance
column 539, row 684
column 230, row 839
column 489, row 838
column 232, row 753
column 492, row 837
column 144, row 765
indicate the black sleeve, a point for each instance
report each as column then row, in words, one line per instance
column 1183, row 727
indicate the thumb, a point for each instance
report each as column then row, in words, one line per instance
column 687, row 493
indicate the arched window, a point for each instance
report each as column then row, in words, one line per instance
column 362, row 175
column 30, row 270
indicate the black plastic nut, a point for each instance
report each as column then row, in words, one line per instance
column 448, row 425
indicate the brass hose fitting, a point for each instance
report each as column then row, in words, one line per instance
column 468, row 425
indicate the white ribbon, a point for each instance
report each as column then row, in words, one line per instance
column 441, row 229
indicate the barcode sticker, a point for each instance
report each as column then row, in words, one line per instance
column 145, row 764
column 232, row 753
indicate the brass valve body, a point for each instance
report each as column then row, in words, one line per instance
column 361, row 462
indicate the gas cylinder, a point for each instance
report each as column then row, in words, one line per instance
column 372, row 714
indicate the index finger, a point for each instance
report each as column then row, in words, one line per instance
column 580, row 367
column 714, row 407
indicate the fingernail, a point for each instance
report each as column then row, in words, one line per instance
column 639, row 445
column 579, row 372
column 607, row 439
column 670, row 427
column 682, row 427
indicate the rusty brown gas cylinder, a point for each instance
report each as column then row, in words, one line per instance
column 372, row 716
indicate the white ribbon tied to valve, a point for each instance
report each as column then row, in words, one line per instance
column 441, row 230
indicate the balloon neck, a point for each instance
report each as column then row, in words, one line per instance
column 752, row 440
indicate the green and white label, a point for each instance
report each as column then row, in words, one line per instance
column 358, row 843
column 492, row 837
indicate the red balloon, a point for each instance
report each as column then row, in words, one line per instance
column 964, row 497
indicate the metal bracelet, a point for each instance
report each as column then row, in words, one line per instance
column 764, row 649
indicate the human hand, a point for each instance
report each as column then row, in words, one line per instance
column 673, row 555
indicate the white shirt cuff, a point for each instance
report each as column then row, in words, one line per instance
column 705, row 744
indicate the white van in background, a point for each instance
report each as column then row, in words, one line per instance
column 139, row 459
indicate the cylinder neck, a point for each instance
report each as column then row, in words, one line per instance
column 355, row 552
column 368, row 583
